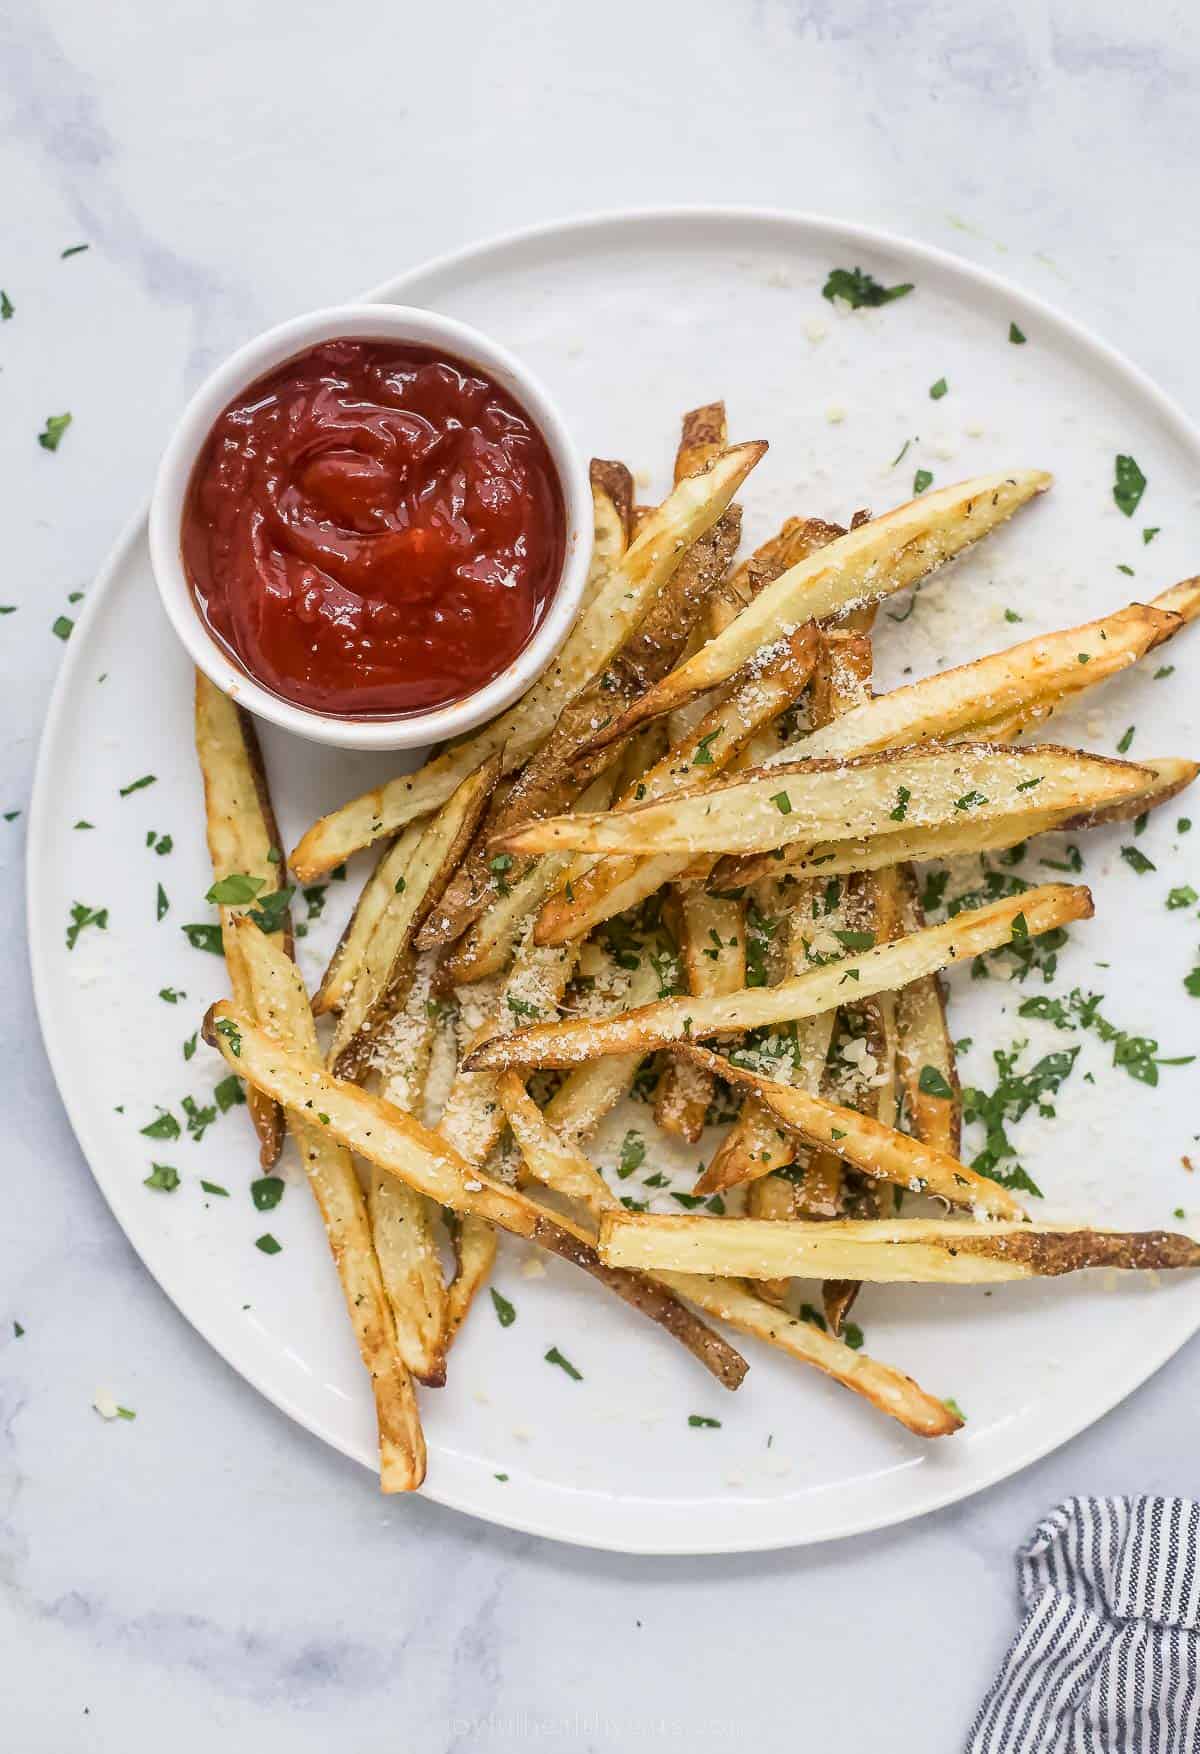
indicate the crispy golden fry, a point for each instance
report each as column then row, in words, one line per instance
column 554, row 777
column 866, row 564
column 282, row 1009
column 564, row 1168
column 703, row 435
column 386, row 958
column 242, row 836
column 594, row 892
column 1170, row 776
column 879, row 970
column 617, row 608
column 612, row 513
column 402, row 1220
column 1018, row 686
column 889, row 1251
column 864, row 1142
column 346, row 963
column 798, row 803
column 400, row 1145
column 925, row 1048
column 590, row 1092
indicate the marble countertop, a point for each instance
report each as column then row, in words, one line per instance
column 210, row 1575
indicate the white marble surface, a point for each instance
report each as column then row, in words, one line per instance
column 209, row 1576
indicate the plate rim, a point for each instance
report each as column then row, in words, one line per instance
column 555, row 1524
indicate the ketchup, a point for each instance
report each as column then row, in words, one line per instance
column 373, row 529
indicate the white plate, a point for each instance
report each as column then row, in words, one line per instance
column 631, row 319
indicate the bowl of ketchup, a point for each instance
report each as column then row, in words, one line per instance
column 371, row 527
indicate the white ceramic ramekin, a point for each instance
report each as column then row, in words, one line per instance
column 367, row 322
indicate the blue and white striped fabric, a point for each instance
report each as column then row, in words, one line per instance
column 1107, row 1660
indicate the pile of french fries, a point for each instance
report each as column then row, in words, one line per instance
column 686, row 853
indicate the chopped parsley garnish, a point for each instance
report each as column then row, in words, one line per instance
column 82, row 916
column 274, row 856
column 703, row 755
column 7, row 307
column 147, row 779
column 948, row 1400
column 1084, row 657
column 1164, row 670
column 689, row 1202
column 232, row 1034
column 1028, row 785
column 1129, row 484
column 1011, row 615
column 934, row 1083
column 1183, row 896
column 189, row 1046
column 701, row 1422
column 235, row 890
column 162, row 1176
column 938, row 390
column 1136, row 859
column 1137, row 1055
column 271, row 913
column 1126, row 742
column 215, row 1188
column 809, row 1314
column 1148, row 535
column 199, row 1120
column 901, row 811
column 554, row 1356
column 859, row 289
column 1183, row 825
column 204, row 938
column 267, row 1192
column 921, row 480
column 171, row 995
column 1018, row 338
column 401, row 886
column 267, row 1243
column 18, row 1330
column 506, row 1315
column 161, row 904
column 51, row 434
column 229, row 1092
column 900, row 454
column 1015, row 1094
column 498, row 866
column 520, row 1007
column 852, row 1334
column 82, row 824
column 161, row 843
column 969, row 801
column 1020, row 927
column 61, row 626
column 782, row 803
column 74, row 250
column 1072, row 861
column 856, row 940
column 1192, row 983
column 632, row 1154
column 1127, row 570
column 760, row 929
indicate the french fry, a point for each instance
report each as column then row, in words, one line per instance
column 1017, row 686
column 243, row 840
column 402, row 1220
column 345, row 965
column 400, row 1145
column 616, row 609
column 866, row 1143
column 879, row 970
column 593, row 892
column 864, row 797
column 590, row 1092
column 283, row 1012
column 1170, row 775
column 386, row 959
column 925, row 1048
column 891, row 1251
column 868, row 563
column 564, row 1168
column 612, row 520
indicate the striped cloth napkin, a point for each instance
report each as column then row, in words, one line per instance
column 1108, row 1656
